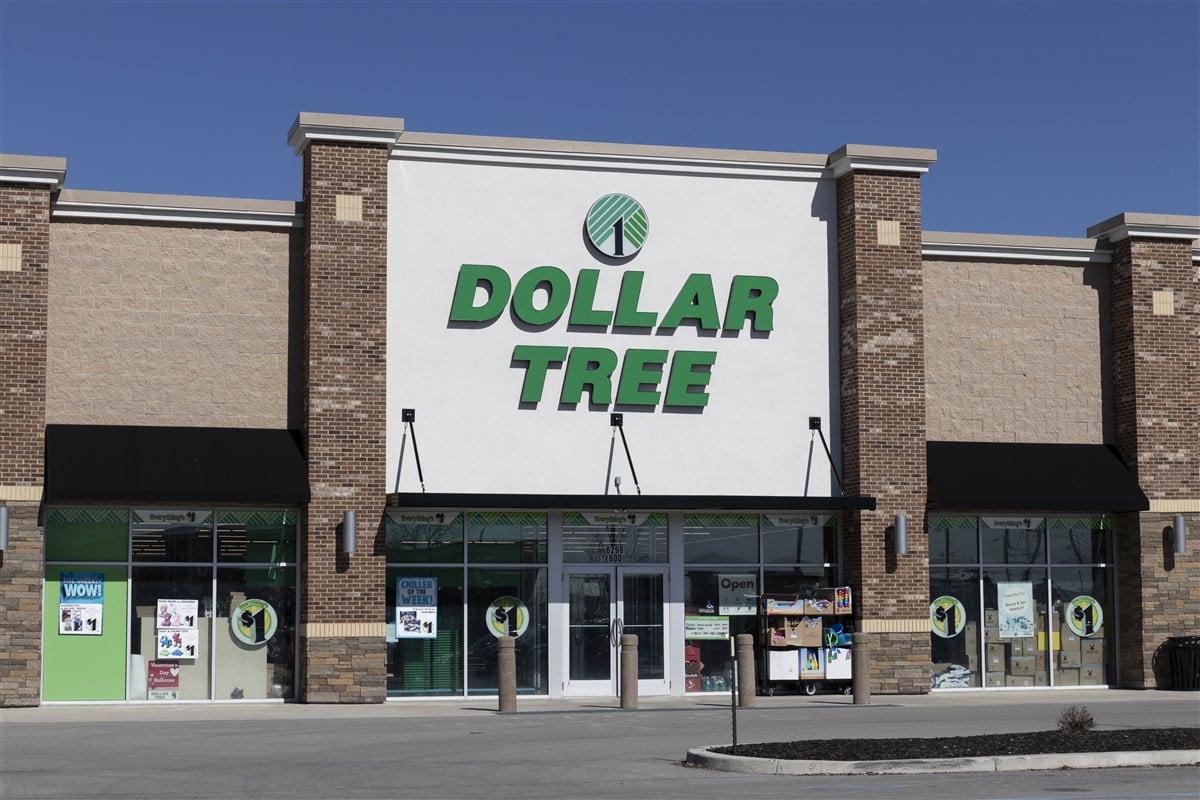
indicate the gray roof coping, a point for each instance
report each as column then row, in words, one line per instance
column 453, row 140
column 1007, row 247
column 32, row 169
column 91, row 204
column 1151, row 226
column 877, row 158
column 313, row 126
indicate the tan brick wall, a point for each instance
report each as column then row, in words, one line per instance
column 24, row 221
column 344, row 411
column 1017, row 352
column 165, row 325
column 883, row 407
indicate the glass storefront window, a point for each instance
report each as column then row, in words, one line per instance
column 953, row 540
column 1013, row 540
column 798, row 580
column 424, row 537
column 614, row 538
column 720, row 538
column 788, row 539
column 955, row 624
column 172, row 536
column 422, row 664
column 256, row 537
column 1078, row 540
column 1017, row 646
column 707, row 662
column 153, row 634
column 506, row 537
column 507, row 601
column 1081, row 611
column 254, row 633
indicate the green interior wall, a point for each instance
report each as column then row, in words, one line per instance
column 86, row 667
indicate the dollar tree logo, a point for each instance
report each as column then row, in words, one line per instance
column 617, row 225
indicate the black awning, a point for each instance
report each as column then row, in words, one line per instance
column 120, row 463
column 629, row 502
column 1005, row 476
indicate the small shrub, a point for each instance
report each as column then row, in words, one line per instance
column 1075, row 720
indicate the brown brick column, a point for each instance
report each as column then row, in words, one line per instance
column 882, row 353
column 27, row 186
column 1156, row 388
column 343, row 656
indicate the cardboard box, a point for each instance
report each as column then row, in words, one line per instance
column 1092, row 675
column 1068, row 639
column 818, row 606
column 804, row 631
column 996, row 657
column 973, row 662
column 1066, row 677
column 1091, row 651
column 812, row 662
column 783, row 665
column 1040, row 679
column 691, row 652
column 1026, row 646
column 1039, row 661
column 1022, row 665
column 971, row 637
column 1069, row 659
column 995, row 679
column 838, row 663
column 1018, row 680
column 991, row 618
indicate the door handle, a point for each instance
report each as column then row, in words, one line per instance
column 615, row 629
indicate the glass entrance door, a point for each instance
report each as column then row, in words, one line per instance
column 604, row 603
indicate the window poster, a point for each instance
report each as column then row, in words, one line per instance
column 706, row 627
column 1015, row 601
column 81, row 604
column 177, row 613
column 737, row 593
column 416, row 608
column 177, row 635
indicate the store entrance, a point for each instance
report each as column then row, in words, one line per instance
column 604, row 603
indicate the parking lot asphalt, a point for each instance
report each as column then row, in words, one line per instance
column 549, row 748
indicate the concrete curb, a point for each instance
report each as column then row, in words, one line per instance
column 704, row 757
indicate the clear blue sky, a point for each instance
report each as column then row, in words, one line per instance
column 1047, row 116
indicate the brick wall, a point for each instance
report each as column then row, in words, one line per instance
column 24, row 221
column 343, row 617
column 168, row 325
column 1017, row 352
column 883, row 418
column 1156, row 378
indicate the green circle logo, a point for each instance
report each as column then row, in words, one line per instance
column 507, row 616
column 1085, row 616
column 947, row 616
column 617, row 225
column 253, row 622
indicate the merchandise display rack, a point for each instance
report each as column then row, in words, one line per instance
column 804, row 640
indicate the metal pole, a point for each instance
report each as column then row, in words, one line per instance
column 733, row 689
column 629, row 670
column 860, row 669
column 507, row 667
column 745, row 666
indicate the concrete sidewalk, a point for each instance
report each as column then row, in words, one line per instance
column 958, row 713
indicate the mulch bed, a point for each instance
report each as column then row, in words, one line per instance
column 995, row 744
